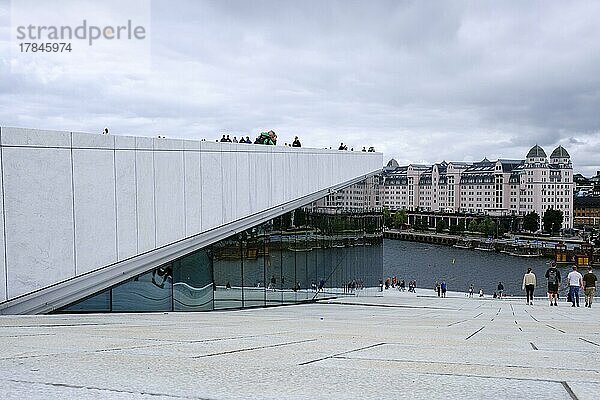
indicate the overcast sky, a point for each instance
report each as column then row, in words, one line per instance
column 422, row 81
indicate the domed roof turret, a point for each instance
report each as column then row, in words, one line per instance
column 560, row 152
column 392, row 164
column 536, row 151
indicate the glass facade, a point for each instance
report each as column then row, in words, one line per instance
column 311, row 252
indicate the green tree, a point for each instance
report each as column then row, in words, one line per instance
column 456, row 229
column 400, row 218
column 387, row 217
column 487, row 227
column 441, row 226
column 531, row 222
column 553, row 220
column 473, row 226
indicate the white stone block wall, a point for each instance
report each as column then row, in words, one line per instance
column 75, row 202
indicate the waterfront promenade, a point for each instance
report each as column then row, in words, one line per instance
column 398, row 345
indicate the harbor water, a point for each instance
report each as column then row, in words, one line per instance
column 460, row 268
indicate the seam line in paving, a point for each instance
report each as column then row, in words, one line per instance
column 395, row 360
column 135, row 347
column 474, row 333
column 35, row 334
column 168, row 342
column 341, row 354
column 556, row 329
column 383, row 305
column 589, row 341
column 65, row 385
column 458, row 322
column 569, row 390
column 254, row 348
column 482, row 376
column 533, row 346
column 67, row 325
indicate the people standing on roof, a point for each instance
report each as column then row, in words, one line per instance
column 529, row 283
column 296, row 142
column 269, row 138
column 575, row 282
column 235, row 139
column 553, row 276
column 273, row 137
column 589, row 287
column 223, row 139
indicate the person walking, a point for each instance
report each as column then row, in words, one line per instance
column 589, row 287
column 444, row 287
column 529, row 283
column 575, row 282
column 500, row 289
column 553, row 277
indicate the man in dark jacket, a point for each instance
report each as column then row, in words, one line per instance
column 553, row 276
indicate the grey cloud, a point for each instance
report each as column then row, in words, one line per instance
column 422, row 81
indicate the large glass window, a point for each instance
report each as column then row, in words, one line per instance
column 330, row 247
column 273, row 264
column 193, row 282
column 97, row 303
column 151, row 291
column 253, row 248
column 227, row 270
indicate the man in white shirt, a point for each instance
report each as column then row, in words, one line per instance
column 575, row 282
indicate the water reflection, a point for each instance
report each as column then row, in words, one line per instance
column 284, row 260
column 461, row 267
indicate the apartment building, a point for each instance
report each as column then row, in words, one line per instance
column 497, row 188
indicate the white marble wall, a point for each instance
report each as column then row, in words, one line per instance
column 75, row 202
column 2, row 259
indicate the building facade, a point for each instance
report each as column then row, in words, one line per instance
column 587, row 211
column 496, row 188
column 365, row 196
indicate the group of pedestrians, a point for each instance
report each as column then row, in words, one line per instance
column 440, row 288
column 269, row 138
column 364, row 149
column 394, row 282
column 575, row 281
column 353, row 285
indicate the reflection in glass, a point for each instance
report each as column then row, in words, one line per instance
column 227, row 270
column 273, row 264
column 193, row 282
column 97, row 303
column 151, row 291
column 253, row 248
column 322, row 249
